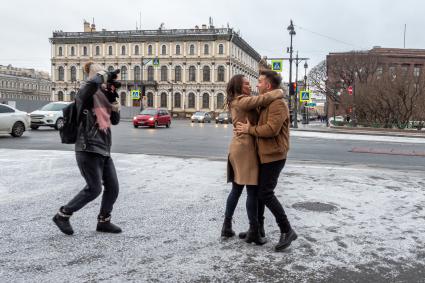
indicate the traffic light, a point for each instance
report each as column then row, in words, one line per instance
column 292, row 88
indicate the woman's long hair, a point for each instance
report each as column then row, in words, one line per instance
column 234, row 88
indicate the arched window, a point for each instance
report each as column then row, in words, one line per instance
column 72, row 95
column 72, row 51
column 177, row 100
column 164, row 50
column 220, row 101
column 123, row 50
column 97, row 50
column 150, row 73
column 150, row 50
column 60, row 51
column 111, row 68
column 137, row 73
column 164, row 71
column 124, row 73
column 192, row 49
column 206, row 49
column 85, row 51
column 123, row 98
column 110, row 50
column 206, row 74
column 177, row 49
column 178, row 74
column 205, row 100
column 60, row 96
column 220, row 74
column 192, row 73
column 150, row 99
column 136, row 50
column 221, row 49
column 61, row 74
column 163, row 100
column 73, row 74
column 191, row 99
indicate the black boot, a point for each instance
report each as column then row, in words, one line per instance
column 104, row 225
column 227, row 231
column 253, row 235
column 286, row 240
column 61, row 219
column 242, row 235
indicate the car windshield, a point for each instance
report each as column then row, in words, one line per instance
column 148, row 112
column 53, row 107
column 223, row 115
column 199, row 113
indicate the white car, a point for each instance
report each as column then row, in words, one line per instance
column 13, row 121
column 49, row 115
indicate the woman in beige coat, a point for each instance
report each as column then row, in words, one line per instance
column 242, row 165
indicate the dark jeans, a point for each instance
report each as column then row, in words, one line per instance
column 251, row 202
column 269, row 174
column 95, row 169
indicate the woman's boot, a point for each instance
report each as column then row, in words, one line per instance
column 104, row 225
column 253, row 235
column 227, row 231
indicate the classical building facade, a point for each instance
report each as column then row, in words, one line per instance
column 183, row 70
column 20, row 84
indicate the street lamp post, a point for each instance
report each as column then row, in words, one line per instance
column 306, row 88
column 291, row 33
column 296, row 93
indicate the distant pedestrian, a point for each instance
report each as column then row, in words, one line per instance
column 97, row 102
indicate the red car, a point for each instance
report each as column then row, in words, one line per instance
column 153, row 117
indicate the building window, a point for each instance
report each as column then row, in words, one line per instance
column 164, row 50
column 137, row 73
column 379, row 71
column 192, row 73
column 73, row 74
column 61, row 74
column 220, row 74
column 123, row 50
column 84, row 51
column 163, row 100
column 192, row 49
column 221, row 49
column 205, row 100
column 177, row 49
column 191, row 103
column 150, row 50
column 72, row 95
column 178, row 74
column 60, row 96
column 177, row 100
column 206, row 49
column 206, row 74
column 111, row 68
column 123, row 73
column 60, row 51
column 220, row 101
column 123, row 98
column 392, row 71
column 404, row 69
column 110, row 50
column 164, row 74
column 72, row 51
column 97, row 50
column 150, row 99
column 150, row 73
column 417, row 71
column 136, row 50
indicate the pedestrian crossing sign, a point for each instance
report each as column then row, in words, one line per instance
column 135, row 94
column 277, row 65
column 305, row 96
column 155, row 61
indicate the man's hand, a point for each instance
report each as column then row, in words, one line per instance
column 242, row 128
column 116, row 106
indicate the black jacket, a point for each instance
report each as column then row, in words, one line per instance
column 89, row 137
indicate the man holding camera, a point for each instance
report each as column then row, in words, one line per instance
column 98, row 109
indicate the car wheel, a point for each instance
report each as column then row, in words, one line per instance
column 168, row 124
column 59, row 124
column 34, row 127
column 136, row 126
column 18, row 129
column 156, row 124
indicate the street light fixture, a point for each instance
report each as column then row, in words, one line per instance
column 292, row 32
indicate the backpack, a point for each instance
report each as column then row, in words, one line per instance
column 68, row 133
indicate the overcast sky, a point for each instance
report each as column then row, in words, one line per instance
column 322, row 26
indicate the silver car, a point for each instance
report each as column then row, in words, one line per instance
column 201, row 117
column 13, row 121
column 50, row 115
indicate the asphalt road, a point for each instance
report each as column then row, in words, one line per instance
column 187, row 139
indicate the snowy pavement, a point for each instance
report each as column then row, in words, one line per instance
column 355, row 224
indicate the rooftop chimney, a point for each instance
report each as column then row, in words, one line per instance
column 86, row 26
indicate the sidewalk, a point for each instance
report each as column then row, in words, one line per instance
column 355, row 224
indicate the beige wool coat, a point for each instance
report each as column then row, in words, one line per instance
column 243, row 162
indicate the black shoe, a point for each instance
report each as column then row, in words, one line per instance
column 253, row 235
column 286, row 240
column 226, row 230
column 104, row 225
column 242, row 235
column 62, row 221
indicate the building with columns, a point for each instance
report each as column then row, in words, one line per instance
column 183, row 70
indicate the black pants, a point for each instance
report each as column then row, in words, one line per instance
column 269, row 174
column 251, row 202
column 96, row 169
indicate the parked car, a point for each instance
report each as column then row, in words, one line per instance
column 337, row 121
column 153, row 117
column 201, row 117
column 13, row 121
column 49, row 115
column 223, row 117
